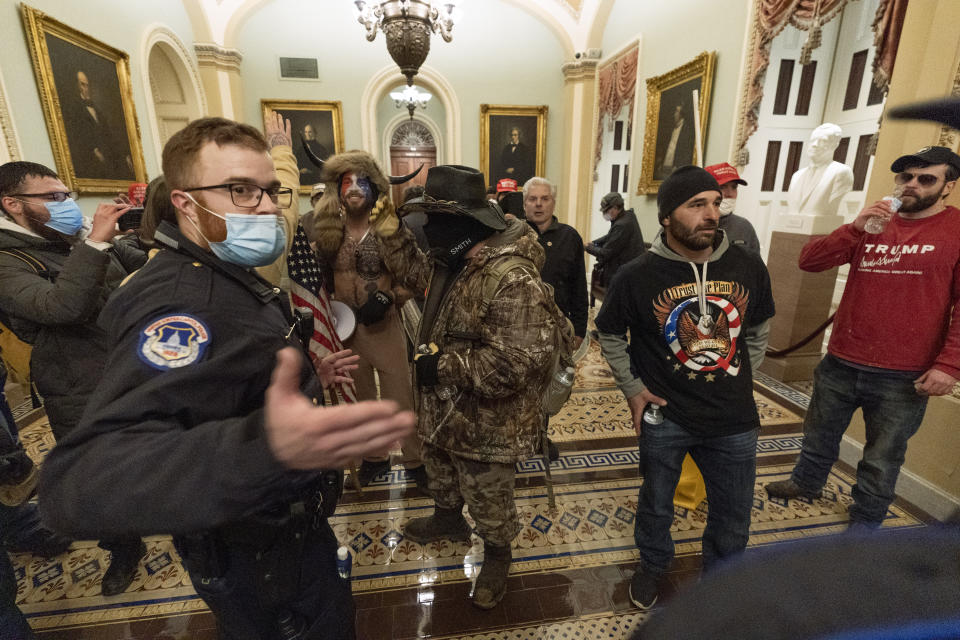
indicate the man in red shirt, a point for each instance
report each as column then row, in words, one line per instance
column 896, row 335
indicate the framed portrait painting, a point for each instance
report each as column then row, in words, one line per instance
column 513, row 142
column 84, row 88
column 670, row 138
column 315, row 124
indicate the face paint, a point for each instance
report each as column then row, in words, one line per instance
column 351, row 183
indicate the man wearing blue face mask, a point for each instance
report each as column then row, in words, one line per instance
column 209, row 406
column 56, row 271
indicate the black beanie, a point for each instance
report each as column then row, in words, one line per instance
column 680, row 186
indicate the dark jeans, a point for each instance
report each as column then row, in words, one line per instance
column 729, row 467
column 16, row 524
column 892, row 412
column 323, row 602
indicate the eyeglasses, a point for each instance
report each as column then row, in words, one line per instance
column 248, row 196
column 56, row 196
column 925, row 179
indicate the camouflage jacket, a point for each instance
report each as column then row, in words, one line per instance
column 498, row 363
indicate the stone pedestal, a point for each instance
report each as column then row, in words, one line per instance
column 802, row 299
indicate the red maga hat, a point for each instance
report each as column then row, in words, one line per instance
column 724, row 173
column 506, row 184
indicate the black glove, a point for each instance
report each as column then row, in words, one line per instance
column 375, row 308
column 427, row 364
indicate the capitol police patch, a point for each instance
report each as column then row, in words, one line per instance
column 174, row 341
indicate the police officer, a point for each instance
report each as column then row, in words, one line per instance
column 188, row 434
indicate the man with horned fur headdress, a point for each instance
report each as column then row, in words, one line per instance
column 365, row 252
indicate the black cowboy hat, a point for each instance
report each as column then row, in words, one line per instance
column 457, row 190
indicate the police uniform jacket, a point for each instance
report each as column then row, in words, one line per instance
column 173, row 438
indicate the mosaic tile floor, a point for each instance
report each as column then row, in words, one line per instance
column 572, row 563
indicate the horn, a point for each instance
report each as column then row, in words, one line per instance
column 409, row 176
column 314, row 158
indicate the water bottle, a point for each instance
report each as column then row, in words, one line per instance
column 877, row 224
column 652, row 414
column 344, row 562
column 443, row 391
column 558, row 391
column 290, row 627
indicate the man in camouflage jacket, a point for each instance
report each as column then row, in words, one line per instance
column 481, row 370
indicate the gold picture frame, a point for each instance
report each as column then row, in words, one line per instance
column 496, row 149
column 669, row 101
column 87, row 102
column 326, row 119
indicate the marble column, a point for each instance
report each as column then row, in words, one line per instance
column 574, row 183
column 220, row 75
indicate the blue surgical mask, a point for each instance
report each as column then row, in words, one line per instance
column 65, row 217
column 252, row 240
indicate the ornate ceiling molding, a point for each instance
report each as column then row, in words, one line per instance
column 585, row 66
column 213, row 55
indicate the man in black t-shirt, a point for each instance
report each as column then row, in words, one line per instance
column 697, row 310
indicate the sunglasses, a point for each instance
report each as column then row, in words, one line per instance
column 924, row 179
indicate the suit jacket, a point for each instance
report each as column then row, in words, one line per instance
column 824, row 197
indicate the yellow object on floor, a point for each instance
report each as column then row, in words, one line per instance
column 690, row 490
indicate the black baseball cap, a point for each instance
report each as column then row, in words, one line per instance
column 927, row 156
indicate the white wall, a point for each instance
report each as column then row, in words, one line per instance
column 673, row 33
column 500, row 54
column 127, row 24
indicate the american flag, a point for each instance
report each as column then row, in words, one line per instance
column 306, row 290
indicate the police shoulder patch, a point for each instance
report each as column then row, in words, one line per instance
column 173, row 341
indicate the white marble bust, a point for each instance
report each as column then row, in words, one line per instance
column 818, row 188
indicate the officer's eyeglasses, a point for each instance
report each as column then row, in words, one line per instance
column 55, row 196
column 925, row 179
column 248, row 196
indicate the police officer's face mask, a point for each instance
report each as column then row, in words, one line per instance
column 252, row 240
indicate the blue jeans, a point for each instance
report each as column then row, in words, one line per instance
column 729, row 468
column 892, row 412
column 15, row 523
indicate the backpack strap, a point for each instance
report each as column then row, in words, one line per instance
column 32, row 262
column 493, row 273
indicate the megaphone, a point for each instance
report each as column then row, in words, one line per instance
column 344, row 320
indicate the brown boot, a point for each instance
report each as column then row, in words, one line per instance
column 492, row 582
column 444, row 524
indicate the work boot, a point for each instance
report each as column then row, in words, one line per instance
column 370, row 469
column 122, row 570
column 444, row 524
column 492, row 582
column 787, row 489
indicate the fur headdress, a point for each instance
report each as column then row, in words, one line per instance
column 329, row 224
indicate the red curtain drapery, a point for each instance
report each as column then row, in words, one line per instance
column 886, row 28
column 617, row 83
column 772, row 17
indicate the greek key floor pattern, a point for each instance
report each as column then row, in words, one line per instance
column 572, row 562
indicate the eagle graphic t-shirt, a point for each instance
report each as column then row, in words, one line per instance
column 689, row 348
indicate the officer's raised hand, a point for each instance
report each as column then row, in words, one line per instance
column 304, row 436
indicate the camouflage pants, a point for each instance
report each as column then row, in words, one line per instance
column 485, row 487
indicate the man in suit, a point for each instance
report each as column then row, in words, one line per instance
column 310, row 173
column 97, row 143
column 677, row 146
column 818, row 188
column 516, row 159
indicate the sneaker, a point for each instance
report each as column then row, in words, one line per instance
column 644, row 589
column 787, row 489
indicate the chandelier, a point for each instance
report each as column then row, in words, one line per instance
column 407, row 25
column 411, row 98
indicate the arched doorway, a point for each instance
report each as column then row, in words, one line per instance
column 411, row 145
column 175, row 103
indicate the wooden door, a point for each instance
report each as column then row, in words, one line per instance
column 404, row 160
